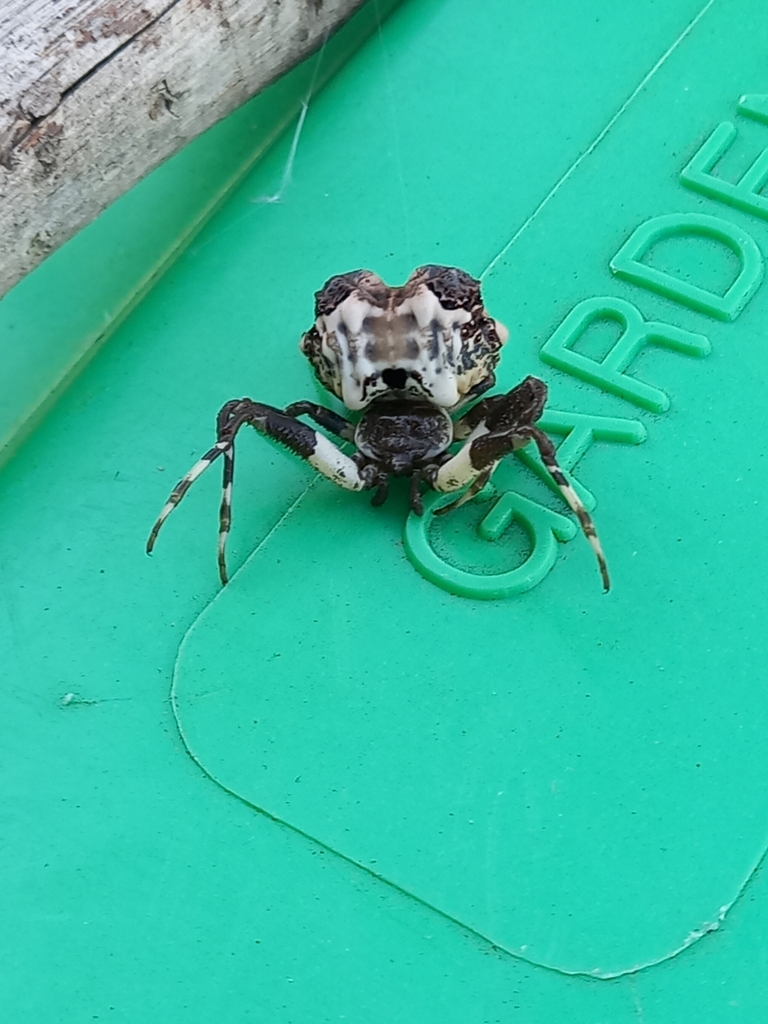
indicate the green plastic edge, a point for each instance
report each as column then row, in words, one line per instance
column 57, row 317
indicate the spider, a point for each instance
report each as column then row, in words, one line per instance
column 405, row 358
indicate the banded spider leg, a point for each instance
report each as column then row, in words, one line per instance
column 303, row 440
column 497, row 426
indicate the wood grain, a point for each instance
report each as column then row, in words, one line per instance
column 96, row 93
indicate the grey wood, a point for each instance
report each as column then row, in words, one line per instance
column 96, row 93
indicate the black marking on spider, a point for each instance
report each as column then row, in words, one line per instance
column 407, row 358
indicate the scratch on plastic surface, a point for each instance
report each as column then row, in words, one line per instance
column 636, row 998
column 74, row 700
column 598, row 139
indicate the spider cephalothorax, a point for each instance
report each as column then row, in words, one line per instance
column 406, row 357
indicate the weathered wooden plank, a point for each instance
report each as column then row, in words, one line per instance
column 96, row 93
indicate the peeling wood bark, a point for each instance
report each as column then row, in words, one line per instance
column 96, row 93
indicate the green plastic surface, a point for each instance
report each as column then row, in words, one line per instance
column 403, row 804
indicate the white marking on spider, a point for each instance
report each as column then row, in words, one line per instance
column 335, row 465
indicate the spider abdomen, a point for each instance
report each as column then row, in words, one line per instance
column 430, row 339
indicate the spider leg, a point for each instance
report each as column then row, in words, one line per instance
column 523, row 404
column 492, row 429
column 416, row 502
column 326, row 418
column 222, row 446
column 477, row 416
column 322, row 416
column 548, row 457
column 225, row 510
column 497, row 426
column 182, row 487
column 474, row 488
column 381, row 482
column 321, row 453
